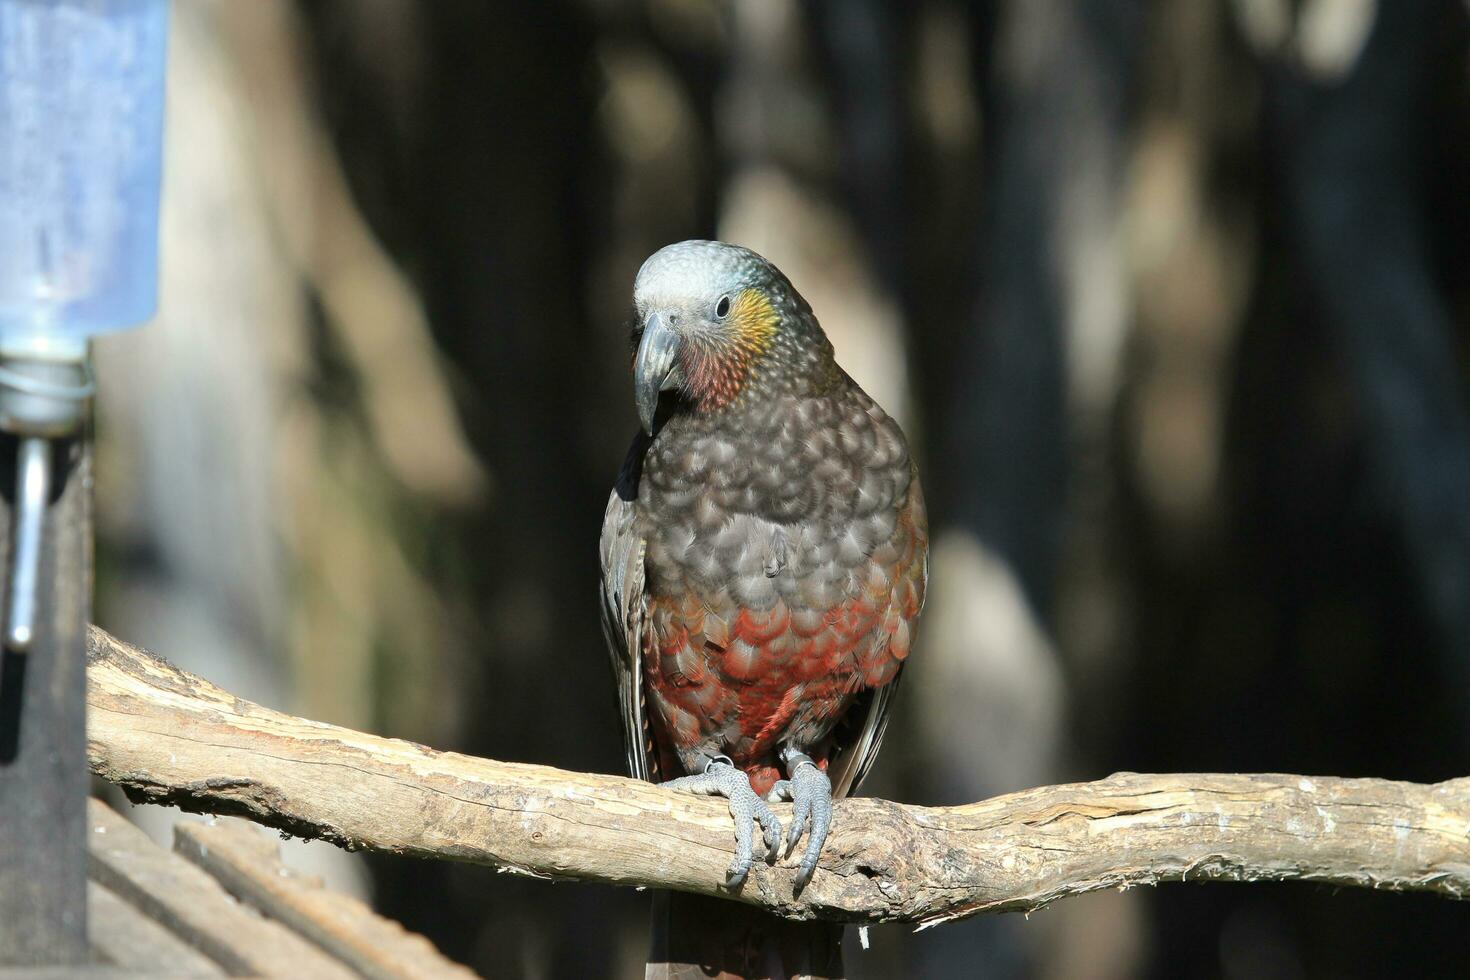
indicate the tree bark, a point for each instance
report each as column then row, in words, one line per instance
column 166, row 736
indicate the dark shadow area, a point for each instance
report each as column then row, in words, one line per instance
column 12, row 695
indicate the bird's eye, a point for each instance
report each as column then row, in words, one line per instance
column 722, row 308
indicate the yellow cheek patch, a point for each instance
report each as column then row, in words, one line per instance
column 754, row 319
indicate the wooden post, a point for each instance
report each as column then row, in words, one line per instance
column 43, row 745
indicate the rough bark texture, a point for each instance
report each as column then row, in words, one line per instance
column 166, row 736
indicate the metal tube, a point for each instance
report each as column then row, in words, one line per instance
column 33, row 488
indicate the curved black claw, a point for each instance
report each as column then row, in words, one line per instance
column 811, row 791
column 721, row 778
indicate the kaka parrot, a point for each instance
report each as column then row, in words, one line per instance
column 763, row 564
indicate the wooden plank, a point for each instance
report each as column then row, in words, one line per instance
column 247, row 862
column 43, row 741
column 77, row 971
column 129, row 940
column 192, row 905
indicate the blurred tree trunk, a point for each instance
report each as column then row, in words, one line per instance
column 472, row 153
column 1354, row 156
column 195, row 537
column 1022, row 423
column 1309, row 611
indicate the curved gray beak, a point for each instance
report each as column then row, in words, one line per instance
column 653, row 368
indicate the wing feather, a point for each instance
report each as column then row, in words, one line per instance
column 857, row 752
column 624, row 609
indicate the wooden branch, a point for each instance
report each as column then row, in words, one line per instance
column 168, row 737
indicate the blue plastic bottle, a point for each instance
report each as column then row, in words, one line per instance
column 81, row 118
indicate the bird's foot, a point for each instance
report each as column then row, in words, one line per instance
column 722, row 778
column 811, row 791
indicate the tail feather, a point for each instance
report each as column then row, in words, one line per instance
column 696, row 937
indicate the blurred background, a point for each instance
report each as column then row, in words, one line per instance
column 1171, row 297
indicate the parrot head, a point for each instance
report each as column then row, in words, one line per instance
column 715, row 320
